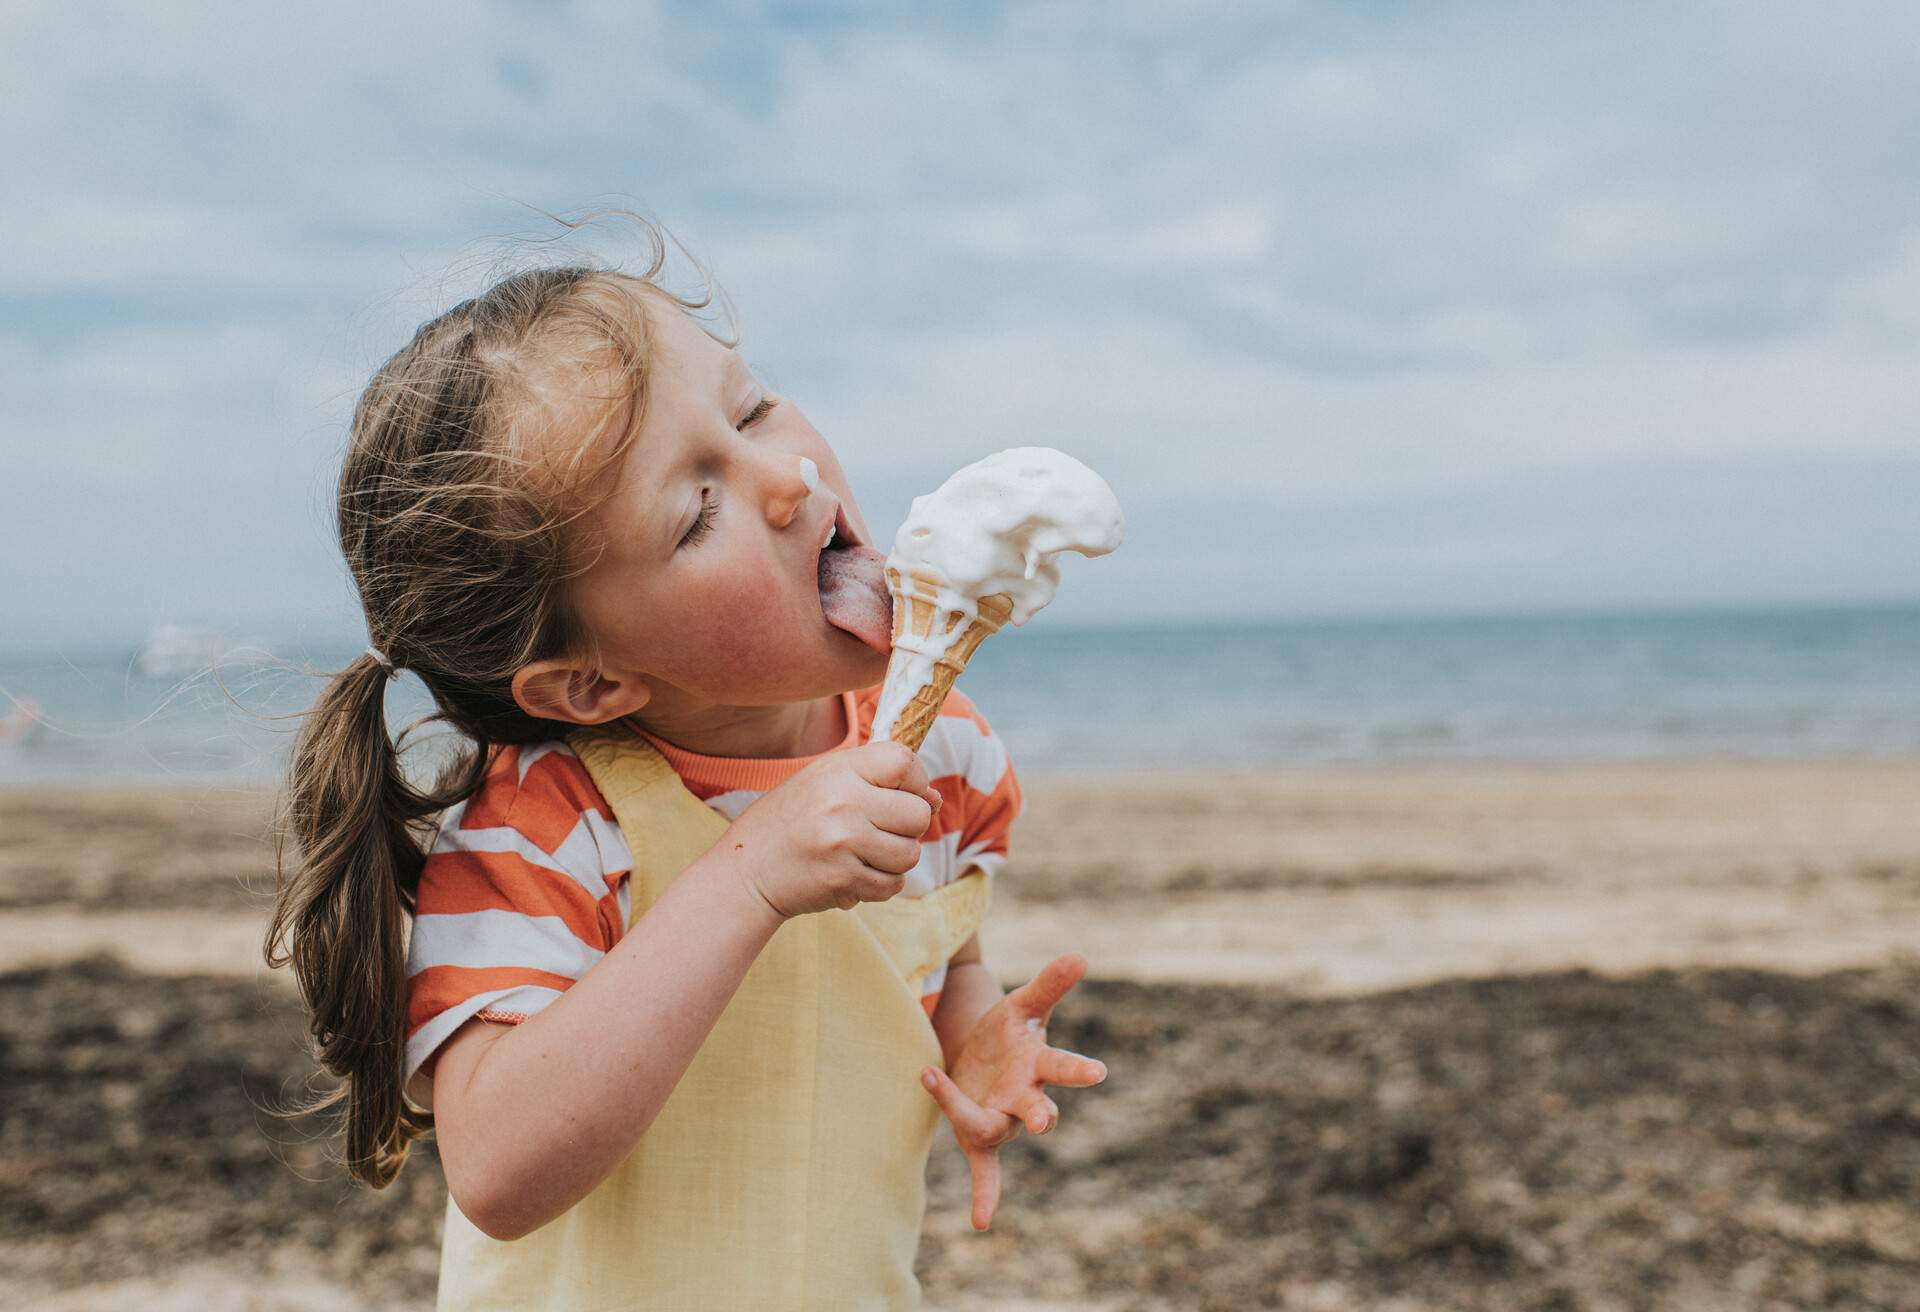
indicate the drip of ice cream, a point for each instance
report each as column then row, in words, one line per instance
column 993, row 529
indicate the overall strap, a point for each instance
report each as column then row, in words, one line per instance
column 920, row 933
column 636, row 780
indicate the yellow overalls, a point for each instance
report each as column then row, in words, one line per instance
column 787, row 1169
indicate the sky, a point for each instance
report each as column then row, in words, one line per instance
column 1362, row 309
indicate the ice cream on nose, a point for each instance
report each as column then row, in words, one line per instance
column 975, row 553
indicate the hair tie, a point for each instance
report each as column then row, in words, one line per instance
column 380, row 659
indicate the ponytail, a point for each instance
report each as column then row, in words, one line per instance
column 340, row 915
column 461, row 557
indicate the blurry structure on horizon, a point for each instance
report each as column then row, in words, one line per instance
column 23, row 723
column 173, row 651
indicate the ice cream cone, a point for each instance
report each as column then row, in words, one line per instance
column 932, row 643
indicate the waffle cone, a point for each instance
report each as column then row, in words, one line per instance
column 917, row 610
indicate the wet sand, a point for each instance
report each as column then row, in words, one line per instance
column 1574, row 1037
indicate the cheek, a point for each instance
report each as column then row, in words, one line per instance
column 727, row 602
column 737, row 616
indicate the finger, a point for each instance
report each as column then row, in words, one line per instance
column 1041, row 1114
column 1041, row 994
column 1058, row 1066
column 986, row 1185
column 935, row 798
column 973, row 1121
column 889, row 765
column 906, row 814
column 889, row 853
column 916, row 780
column 879, row 886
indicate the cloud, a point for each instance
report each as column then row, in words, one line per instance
column 1305, row 250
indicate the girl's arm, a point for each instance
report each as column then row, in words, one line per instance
column 532, row 1117
column 969, row 993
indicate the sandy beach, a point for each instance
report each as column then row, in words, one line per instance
column 1620, row 1036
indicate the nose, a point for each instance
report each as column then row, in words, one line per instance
column 788, row 482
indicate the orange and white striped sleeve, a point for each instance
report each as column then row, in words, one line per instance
column 523, row 891
column 969, row 765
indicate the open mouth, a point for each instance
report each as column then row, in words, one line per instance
column 853, row 585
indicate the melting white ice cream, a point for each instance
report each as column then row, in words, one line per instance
column 995, row 527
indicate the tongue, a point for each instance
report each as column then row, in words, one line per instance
column 854, row 597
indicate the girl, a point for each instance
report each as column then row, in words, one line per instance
column 691, row 973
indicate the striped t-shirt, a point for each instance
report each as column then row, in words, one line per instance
column 525, row 887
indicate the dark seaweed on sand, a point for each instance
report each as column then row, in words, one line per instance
column 1680, row 1139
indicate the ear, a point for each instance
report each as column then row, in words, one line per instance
column 562, row 690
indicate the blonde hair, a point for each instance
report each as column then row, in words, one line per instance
column 454, row 536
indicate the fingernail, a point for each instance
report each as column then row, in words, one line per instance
column 939, row 799
column 926, row 1078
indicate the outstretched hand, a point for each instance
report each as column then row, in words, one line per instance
column 996, row 1085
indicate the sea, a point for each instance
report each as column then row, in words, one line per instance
column 1747, row 684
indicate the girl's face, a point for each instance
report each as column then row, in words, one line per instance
column 707, row 586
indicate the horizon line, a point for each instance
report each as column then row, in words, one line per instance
column 1303, row 619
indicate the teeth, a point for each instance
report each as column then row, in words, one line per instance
column 832, row 529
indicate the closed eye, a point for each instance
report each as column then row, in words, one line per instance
column 759, row 412
column 702, row 522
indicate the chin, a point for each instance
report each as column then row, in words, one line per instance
column 872, row 666
column 845, row 664
column 855, row 666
